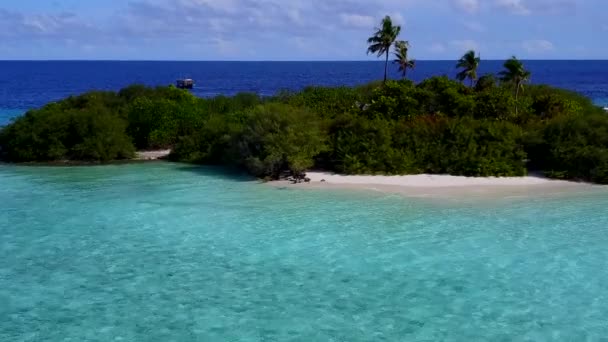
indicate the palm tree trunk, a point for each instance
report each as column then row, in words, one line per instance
column 386, row 66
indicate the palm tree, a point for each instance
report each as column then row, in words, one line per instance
column 401, row 59
column 382, row 40
column 516, row 74
column 469, row 64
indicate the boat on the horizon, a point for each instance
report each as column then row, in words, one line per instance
column 185, row 83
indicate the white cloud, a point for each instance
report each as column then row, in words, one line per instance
column 437, row 48
column 225, row 47
column 514, row 6
column 469, row 6
column 397, row 18
column 553, row 6
column 538, row 46
column 465, row 45
column 60, row 26
column 283, row 29
column 227, row 6
column 519, row 7
column 357, row 20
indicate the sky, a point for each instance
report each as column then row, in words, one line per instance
column 298, row 29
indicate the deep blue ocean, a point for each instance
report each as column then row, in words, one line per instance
column 27, row 84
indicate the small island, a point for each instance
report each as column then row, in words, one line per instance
column 476, row 125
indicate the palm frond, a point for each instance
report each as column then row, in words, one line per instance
column 469, row 63
column 382, row 40
column 514, row 71
column 461, row 76
column 401, row 57
column 378, row 49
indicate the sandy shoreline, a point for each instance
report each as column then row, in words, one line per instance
column 432, row 181
column 152, row 155
column 426, row 185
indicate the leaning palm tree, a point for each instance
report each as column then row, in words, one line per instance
column 515, row 74
column 382, row 40
column 401, row 58
column 469, row 64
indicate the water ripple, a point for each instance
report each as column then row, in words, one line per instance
column 149, row 252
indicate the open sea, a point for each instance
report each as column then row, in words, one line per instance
column 27, row 84
column 163, row 252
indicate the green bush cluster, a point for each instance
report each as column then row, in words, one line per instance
column 77, row 129
column 574, row 147
column 436, row 126
column 428, row 144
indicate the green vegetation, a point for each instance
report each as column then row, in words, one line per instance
column 436, row 126
column 469, row 64
column 401, row 57
column 492, row 128
column 89, row 127
column 517, row 75
column 382, row 40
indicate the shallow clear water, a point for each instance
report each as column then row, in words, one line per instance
column 168, row 252
column 6, row 115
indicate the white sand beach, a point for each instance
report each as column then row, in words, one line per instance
column 426, row 185
column 152, row 155
column 432, row 181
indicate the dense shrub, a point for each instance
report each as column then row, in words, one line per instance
column 279, row 137
column 548, row 102
column 212, row 143
column 51, row 134
column 486, row 82
column 575, row 148
column 157, row 123
column 395, row 100
column 446, row 96
column 437, row 126
column 363, row 145
column 482, row 148
column 495, row 103
column 98, row 135
column 325, row 102
column 428, row 144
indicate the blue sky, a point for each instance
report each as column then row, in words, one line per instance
column 298, row 29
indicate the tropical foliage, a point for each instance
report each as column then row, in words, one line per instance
column 469, row 64
column 401, row 57
column 436, row 126
column 516, row 75
column 397, row 127
column 382, row 40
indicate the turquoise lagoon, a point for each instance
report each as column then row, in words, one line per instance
column 6, row 115
column 170, row 252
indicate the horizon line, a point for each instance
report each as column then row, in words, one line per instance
column 275, row 61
